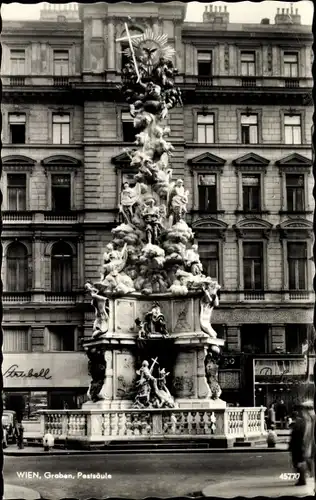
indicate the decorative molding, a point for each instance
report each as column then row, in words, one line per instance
column 61, row 163
column 299, row 228
column 209, row 224
column 294, row 163
column 251, row 161
column 17, row 163
column 252, row 227
column 122, row 160
column 207, row 161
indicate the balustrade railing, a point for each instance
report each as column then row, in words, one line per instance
column 298, row 295
column 292, row 83
column 61, row 81
column 104, row 425
column 17, row 81
column 10, row 297
column 59, row 297
column 253, row 295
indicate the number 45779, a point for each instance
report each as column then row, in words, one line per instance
column 289, row 476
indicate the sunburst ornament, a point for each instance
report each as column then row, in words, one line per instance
column 149, row 48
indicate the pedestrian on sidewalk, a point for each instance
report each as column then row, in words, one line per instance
column 271, row 417
column 302, row 445
column 282, row 414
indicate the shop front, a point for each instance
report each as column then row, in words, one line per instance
column 37, row 381
column 283, row 378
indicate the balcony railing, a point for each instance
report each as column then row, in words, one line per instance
column 253, row 295
column 12, row 216
column 298, row 295
column 292, row 83
column 16, row 217
column 60, row 218
column 61, row 81
column 60, row 298
column 248, row 82
column 205, row 81
column 17, row 81
column 16, row 297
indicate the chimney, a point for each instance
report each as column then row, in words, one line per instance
column 287, row 16
column 266, row 20
column 216, row 16
column 60, row 12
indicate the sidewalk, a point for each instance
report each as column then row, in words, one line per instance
column 38, row 450
column 12, row 492
column 259, row 486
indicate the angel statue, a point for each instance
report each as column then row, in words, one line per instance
column 116, row 260
column 129, row 197
column 192, row 261
column 208, row 302
column 101, row 305
column 177, row 201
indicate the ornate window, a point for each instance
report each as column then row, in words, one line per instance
column 204, row 64
column 17, row 268
column 250, row 170
column 61, row 268
column 292, row 129
column 17, row 128
column 253, row 266
column 61, row 171
column 61, row 192
column 297, row 265
column 294, row 171
column 61, row 62
column 15, row 339
column 249, row 128
column 61, row 338
column 209, row 256
column 248, row 63
column 295, row 192
column 207, row 192
column 16, row 192
column 128, row 130
column 251, row 193
column 17, row 62
column 257, row 343
column 290, row 61
column 61, row 128
column 207, row 169
column 205, row 128
column 295, row 337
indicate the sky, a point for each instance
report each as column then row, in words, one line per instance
column 240, row 12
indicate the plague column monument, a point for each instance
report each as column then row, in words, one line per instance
column 153, row 346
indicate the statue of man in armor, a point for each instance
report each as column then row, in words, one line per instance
column 151, row 216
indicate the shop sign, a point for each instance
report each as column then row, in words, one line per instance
column 36, row 370
column 279, row 371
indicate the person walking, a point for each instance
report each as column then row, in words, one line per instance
column 282, row 414
column 271, row 417
column 302, row 445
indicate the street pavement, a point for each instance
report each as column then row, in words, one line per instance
column 139, row 475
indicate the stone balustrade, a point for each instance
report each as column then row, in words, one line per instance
column 100, row 426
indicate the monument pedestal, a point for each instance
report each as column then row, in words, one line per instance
column 182, row 353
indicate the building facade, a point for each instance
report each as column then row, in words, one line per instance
column 242, row 145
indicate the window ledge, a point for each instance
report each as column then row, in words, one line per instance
column 206, row 212
column 253, row 212
column 298, row 212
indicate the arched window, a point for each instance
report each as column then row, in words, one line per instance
column 17, row 268
column 61, row 271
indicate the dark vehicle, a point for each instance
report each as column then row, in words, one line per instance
column 9, row 422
